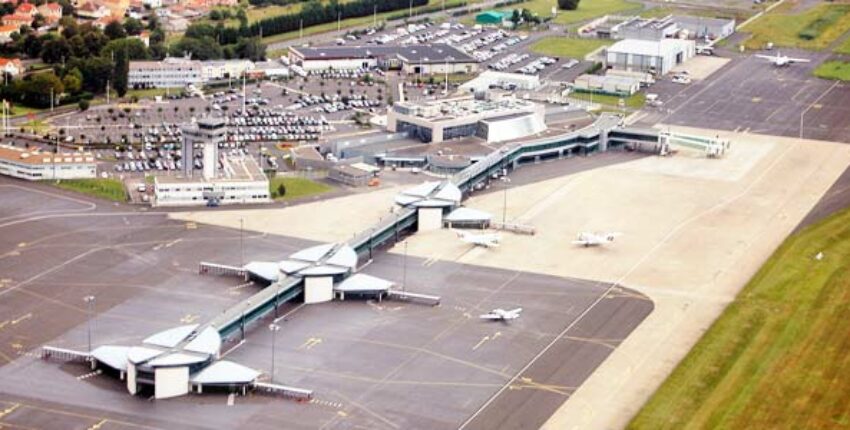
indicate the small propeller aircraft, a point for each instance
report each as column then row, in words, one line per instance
column 780, row 60
column 487, row 240
column 587, row 239
column 502, row 315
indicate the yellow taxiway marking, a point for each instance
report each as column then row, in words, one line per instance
column 189, row 318
column 9, row 410
column 310, row 343
column 22, row 244
column 98, row 425
column 486, row 339
column 4, row 324
column 22, row 318
column 756, row 99
column 817, row 106
column 191, row 226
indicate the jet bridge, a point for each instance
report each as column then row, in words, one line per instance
column 712, row 147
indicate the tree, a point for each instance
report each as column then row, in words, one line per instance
column 119, row 75
column 32, row 45
column 134, row 49
column 516, row 17
column 251, row 49
column 133, row 26
column 114, row 30
column 55, row 51
column 37, row 21
column 568, row 4
column 37, row 89
column 73, row 81
column 200, row 49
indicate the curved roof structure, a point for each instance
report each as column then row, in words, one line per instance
column 468, row 215
column 434, row 194
column 140, row 354
column 207, row 342
column 177, row 359
column 322, row 260
column 263, row 269
column 361, row 283
column 225, row 372
column 171, row 337
column 112, row 356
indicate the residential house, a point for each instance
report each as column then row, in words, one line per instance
column 16, row 20
column 26, row 9
column 6, row 32
column 145, row 37
column 92, row 10
column 11, row 66
column 52, row 12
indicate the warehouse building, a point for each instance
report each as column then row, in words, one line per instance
column 683, row 27
column 35, row 165
column 413, row 59
column 494, row 120
column 613, row 85
column 651, row 56
column 504, row 80
column 225, row 69
column 241, row 181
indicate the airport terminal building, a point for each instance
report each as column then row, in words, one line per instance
column 35, row 165
column 494, row 120
column 412, row 59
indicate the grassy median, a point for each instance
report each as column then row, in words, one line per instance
column 294, row 188
column 779, row 355
column 835, row 70
column 567, row 46
column 815, row 28
column 108, row 189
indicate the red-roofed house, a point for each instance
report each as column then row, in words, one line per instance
column 145, row 37
column 92, row 10
column 6, row 32
column 11, row 66
column 26, row 9
column 17, row 20
column 52, row 12
column 102, row 22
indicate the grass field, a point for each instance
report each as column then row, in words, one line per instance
column 835, row 70
column 635, row 101
column 587, row 9
column 296, row 187
column 109, row 189
column 843, row 47
column 567, row 47
column 779, row 355
column 824, row 23
column 148, row 92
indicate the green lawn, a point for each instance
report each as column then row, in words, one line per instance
column 296, row 187
column 567, row 47
column 587, row 9
column 835, row 70
column 109, row 189
column 148, row 92
column 843, row 47
column 779, row 355
column 824, row 22
column 19, row 110
column 635, row 101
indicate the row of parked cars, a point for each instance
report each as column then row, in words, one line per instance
column 537, row 65
column 508, row 61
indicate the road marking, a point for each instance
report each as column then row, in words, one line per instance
column 191, row 226
column 22, row 318
column 9, row 410
column 173, row 242
column 481, row 342
column 231, row 399
column 235, row 290
column 189, row 318
column 310, row 343
column 89, row 375
column 22, row 244
column 336, row 405
column 98, row 425
column 241, row 342
column 756, row 99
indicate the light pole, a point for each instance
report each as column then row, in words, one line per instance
column 505, row 180
column 89, row 300
column 241, row 242
column 404, row 269
column 274, row 328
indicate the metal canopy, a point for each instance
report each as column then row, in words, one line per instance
column 177, row 359
column 225, row 372
column 361, row 282
column 434, row 194
column 468, row 215
column 207, row 342
column 171, row 337
column 263, row 269
column 112, row 356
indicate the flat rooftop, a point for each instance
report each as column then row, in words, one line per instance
column 36, row 157
column 236, row 168
column 448, row 109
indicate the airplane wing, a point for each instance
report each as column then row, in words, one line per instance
column 490, row 317
column 798, row 60
column 766, row 57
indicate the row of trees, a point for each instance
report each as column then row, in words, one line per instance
column 208, row 42
column 315, row 12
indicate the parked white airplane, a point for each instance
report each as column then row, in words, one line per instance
column 587, row 239
column 780, row 60
column 502, row 315
column 487, row 240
